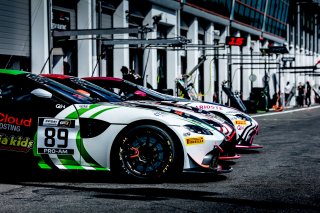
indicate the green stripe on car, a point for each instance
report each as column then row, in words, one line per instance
column 84, row 153
column 101, row 111
column 78, row 112
column 12, row 72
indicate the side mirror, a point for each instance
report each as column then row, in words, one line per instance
column 41, row 93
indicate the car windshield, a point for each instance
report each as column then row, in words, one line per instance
column 67, row 92
column 101, row 93
column 157, row 95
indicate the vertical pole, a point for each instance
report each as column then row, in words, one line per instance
column 251, row 66
column 229, row 74
column 265, row 71
column 315, row 39
column 178, row 54
column 230, row 68
column 295, row 41
column 315, row 43
column 230, row 50
column 216, row 74
column 50, row 41
column 299, row 28
column 279, row 77
column 265, row 16
column 99, row 43
column 232, row 9
column 241, row 74
column 229, row 63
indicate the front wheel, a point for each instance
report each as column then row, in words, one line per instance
column 145, row 152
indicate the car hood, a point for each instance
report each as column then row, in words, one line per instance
column 126, row 113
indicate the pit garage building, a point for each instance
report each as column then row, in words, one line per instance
column 247, row 42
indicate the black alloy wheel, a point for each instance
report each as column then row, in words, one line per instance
column 146, row 152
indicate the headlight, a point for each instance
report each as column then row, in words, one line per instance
column 197, row 129
column 243, row 117
column 212, row 123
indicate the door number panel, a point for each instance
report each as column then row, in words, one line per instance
column 56, row 136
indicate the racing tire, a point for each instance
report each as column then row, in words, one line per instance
column 146, row 152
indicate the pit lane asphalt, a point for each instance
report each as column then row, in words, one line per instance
column 284, row 176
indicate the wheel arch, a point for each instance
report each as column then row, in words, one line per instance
column 177, row 145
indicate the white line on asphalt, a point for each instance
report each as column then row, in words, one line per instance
column 283, row 112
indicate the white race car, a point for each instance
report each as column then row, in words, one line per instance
column 63, row 129
column 104, row 95
column 244, row 124
column 217, row 122
column 246, row 127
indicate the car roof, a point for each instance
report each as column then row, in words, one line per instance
column 12, row 72
column 57, row 76
column 103, row 78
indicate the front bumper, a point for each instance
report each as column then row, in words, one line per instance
column 247, row 143
column 211, row 162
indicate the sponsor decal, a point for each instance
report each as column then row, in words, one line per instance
column 56, row 122
column 60, row 106
column 9, row 119
column 84, row 106
column 239, row 127
column 9, row 127
column 231, row 112
column 205, row 107
column 158, row 113
column 56, row 151
column 66, row 123
column 240, row 122
column 194, row 141
column 15, row 143
column 48, row 122
column 12, row 123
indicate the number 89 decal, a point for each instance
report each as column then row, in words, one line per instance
column 56, row 136
column 50, row 134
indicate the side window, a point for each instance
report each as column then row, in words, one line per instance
column 21, row 94
column 14, row 92
column 11, row 90
column 6, row 91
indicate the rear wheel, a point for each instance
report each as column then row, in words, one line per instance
column 145, row 152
